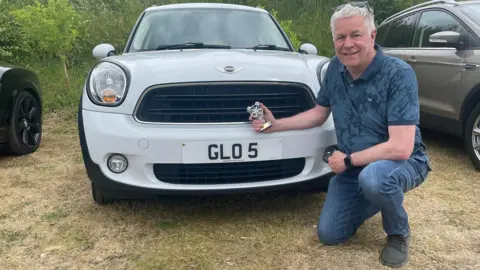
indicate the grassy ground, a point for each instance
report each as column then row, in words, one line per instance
column 49, row 221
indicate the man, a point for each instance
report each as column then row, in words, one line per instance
column 381, row 156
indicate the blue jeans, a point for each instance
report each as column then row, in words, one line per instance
column 355, row 196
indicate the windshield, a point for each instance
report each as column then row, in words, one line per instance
column 472, row 11
column 235, row 28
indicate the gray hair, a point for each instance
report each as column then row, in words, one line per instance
column 349, row 11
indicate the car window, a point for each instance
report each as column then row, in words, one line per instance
column 473, row 42
column 235, row 28
column 400, row 32
column 432, row 22
column 381, row 32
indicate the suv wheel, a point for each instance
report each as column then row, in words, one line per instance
column 472, row 137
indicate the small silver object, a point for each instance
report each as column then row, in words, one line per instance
column 256, row 112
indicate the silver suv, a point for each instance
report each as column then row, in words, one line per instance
column 441, row 41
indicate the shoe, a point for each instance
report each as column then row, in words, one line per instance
column 395, row 252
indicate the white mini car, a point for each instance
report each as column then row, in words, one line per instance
column 169, row 115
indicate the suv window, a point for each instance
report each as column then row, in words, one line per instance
column 473, row 42
column 435, row 21
column 400, row 32
column 381, row 32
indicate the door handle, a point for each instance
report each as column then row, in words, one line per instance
column 411, row 59
column 471, row 66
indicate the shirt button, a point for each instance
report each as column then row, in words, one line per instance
column 351, row 85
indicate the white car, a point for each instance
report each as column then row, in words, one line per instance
column 169, row 115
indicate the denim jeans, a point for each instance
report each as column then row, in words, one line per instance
column 355, row 196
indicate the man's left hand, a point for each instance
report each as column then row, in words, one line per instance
column 337, row 163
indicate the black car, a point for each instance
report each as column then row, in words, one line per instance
column 20, row 110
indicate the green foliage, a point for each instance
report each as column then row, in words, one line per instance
column 50, row 29
column 57, row 97
column 112, row 26
column 11, row 42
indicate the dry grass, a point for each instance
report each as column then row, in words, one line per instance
column 49, row 221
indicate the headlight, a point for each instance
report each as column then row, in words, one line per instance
column 321, row 71
column 107, row 84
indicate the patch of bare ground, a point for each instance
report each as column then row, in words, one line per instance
column 48, row 220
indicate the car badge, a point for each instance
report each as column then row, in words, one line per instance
column 229, row 69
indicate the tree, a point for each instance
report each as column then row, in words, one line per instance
column 49, row 29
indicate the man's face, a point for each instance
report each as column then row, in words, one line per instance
column 353, row 44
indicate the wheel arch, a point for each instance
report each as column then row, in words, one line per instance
column 13, row 82
column 469, row 103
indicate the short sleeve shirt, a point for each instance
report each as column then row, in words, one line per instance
column 386, row 94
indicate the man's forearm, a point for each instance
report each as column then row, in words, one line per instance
column 305, row 120
column 398, row 147
column 383, row 151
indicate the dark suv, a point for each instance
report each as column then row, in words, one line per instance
column 441, row 41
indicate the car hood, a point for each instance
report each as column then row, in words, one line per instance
column 173, row 66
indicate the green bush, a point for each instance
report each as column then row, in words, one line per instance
column 50, row 29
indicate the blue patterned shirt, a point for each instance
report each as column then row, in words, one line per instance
column 386, row 94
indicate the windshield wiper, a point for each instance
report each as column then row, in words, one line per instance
column 192, row 45
column 269, row 47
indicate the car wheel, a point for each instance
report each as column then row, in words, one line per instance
column 472, row 137
column 25, row 130
column 99, row 195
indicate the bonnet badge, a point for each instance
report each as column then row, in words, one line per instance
column 229, row 69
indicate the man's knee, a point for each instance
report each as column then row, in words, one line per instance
column 328, row 234
column 375, row 179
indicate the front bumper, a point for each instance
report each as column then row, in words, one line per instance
column 104, row 134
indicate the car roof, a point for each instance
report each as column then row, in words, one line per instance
column 205, row 5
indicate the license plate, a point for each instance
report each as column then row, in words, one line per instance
column 231, row 151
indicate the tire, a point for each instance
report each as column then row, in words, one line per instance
column 25, row 127
column 473, row 138
column 99, row 196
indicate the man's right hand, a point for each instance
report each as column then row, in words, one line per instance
column 267, row 116
column 312, row 118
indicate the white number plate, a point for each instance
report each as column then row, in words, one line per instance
column 231, row 151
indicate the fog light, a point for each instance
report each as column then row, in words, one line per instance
column 329, row 152
column 117, row 163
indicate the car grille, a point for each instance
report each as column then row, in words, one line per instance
column 228, row 173
column 221, row 102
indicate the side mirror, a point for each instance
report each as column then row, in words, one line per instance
column 307, row 48
column 445, row 39
column 103, row 50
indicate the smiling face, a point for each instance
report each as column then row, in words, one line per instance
column 353, row 42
